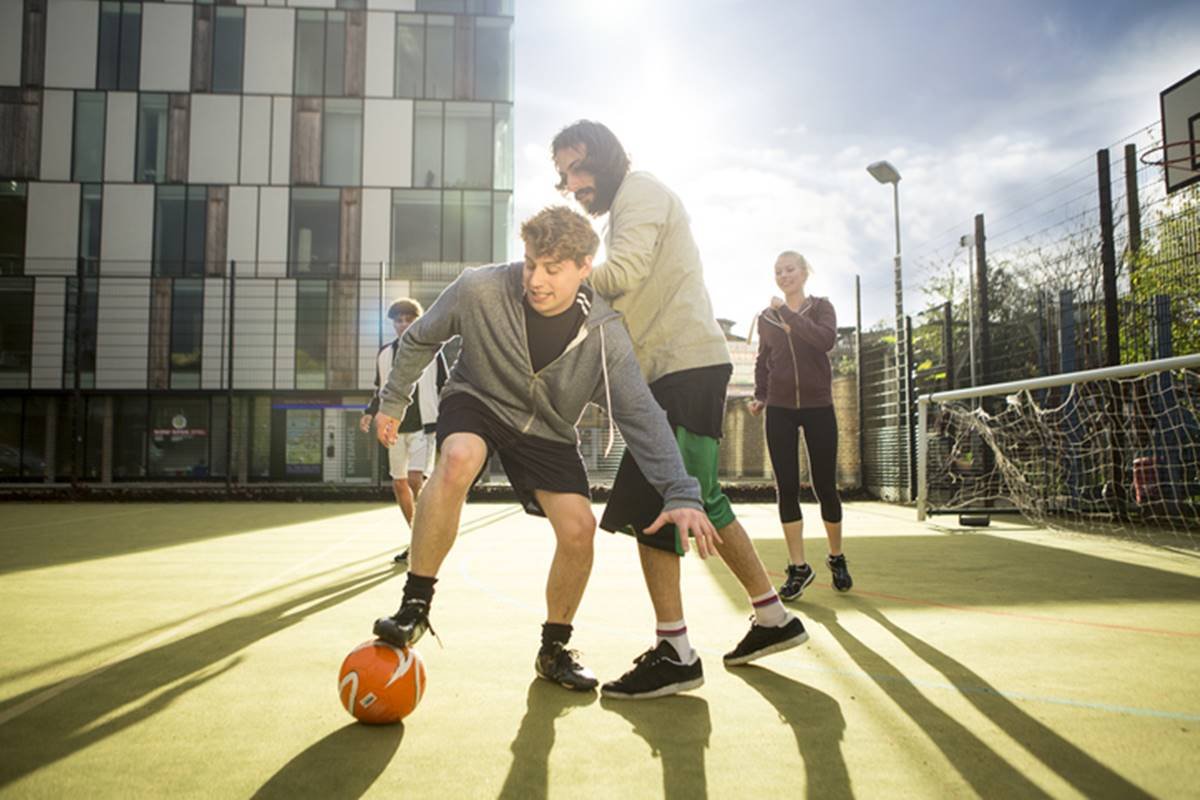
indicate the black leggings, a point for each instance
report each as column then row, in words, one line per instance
column 783, row 443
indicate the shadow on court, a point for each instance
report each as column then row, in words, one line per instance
column 977, row 569
column 51, row 535
column 84, row 713
column 1086, row 774
column 677, row 728
column 529, row 776
column 342, row 766
column 816, row 721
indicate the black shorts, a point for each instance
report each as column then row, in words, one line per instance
column 694, row 400
column 530, row 462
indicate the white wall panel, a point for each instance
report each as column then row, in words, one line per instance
column 120, row 136
column 58, row 114
column 392, row 5
column 122, row 333
column 213, row 146
column 166, row 48
column 381, row 54
column 256, row 140
column 243, row 227
column 270, row 40
column 52, row 229
column 49, row 325
column 127, row 232
column 272, row 232
column 376, row 228
column 369, row 313
column 213, row 341
column 254, row 334
column 285, row 334
column 11, row 17
column 72, row 30
column 281, row 141
column 387, row 142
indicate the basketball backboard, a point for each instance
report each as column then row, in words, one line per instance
column 1180, row 104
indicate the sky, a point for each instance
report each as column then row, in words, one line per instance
column 762, row 115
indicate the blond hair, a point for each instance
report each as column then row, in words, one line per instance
column 800, row 260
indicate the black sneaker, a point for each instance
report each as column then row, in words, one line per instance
column 402, row 558
column 841, row 574
column 558, row 665
column 762, row 640
column 656, row 673
column 406, row 626
column 798, row 579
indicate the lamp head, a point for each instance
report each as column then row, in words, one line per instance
column 884, row 172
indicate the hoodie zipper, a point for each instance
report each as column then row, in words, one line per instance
column 791, row 348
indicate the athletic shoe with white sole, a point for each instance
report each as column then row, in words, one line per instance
column 657, row 672
column 763, row 640
column 798, row 579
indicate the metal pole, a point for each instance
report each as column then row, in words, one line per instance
column 922, row 456
column 968, row 242
column 77, row 417
column 229, row 418
column 1108, row 261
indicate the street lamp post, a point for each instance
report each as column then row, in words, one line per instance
column 884, row 172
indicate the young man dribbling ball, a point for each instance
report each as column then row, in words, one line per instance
column 537, row 348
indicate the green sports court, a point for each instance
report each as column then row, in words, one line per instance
column 192, row 650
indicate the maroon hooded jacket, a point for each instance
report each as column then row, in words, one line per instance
column 792, row 369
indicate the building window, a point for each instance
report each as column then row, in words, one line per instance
column 16, row 332
column 439, row 57
column 503, row 146
column 431, row 229
column 315, row 227
column 320, row 53
column 152, row 138
column 493, row 58
column 312, row 333
column 80, row 333
column 120, row 49
column 229, row 34
column 129, row 448
column 20, row 132
column 91, row 204
column 179, row 436
column 468, row 145
column 341, row 143
column 416, row 230
column 13, row 216
column 446, row 6
column 187, row 320
column 502, row 212
column 88, row 163
column 410, row 55
column 11, row 454
column 427, row 145
column 180, row 219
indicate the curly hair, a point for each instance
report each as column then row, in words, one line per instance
column 560, row 233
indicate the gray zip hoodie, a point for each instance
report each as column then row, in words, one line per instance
column 484, row 306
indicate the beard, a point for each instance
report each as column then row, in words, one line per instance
column 598, row 200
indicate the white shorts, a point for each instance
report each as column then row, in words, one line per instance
column 412, row 452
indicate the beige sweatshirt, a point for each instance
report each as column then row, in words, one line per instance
column 652, row 274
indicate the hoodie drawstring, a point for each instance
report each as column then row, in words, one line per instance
column 607, row 393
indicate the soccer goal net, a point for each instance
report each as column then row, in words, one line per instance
column 1107, row 449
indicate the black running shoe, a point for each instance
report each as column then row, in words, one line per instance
column 402, row 558
column 559, row 665
column 656, row 673
column 762, row 640
column 841, row 574
column 798, row 579
column 406, row 626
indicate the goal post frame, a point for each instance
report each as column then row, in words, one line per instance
column 1046, row 382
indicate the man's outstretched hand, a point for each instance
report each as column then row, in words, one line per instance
column 690, row 522
column 387, row 429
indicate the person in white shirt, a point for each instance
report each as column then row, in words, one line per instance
column 410, row 459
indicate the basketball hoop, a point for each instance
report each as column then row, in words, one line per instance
column 1187, row 156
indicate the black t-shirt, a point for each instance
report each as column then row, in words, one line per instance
column 549, row 336
column 412, row 418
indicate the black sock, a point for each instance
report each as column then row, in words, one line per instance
column 419, row 587
column 555, row 633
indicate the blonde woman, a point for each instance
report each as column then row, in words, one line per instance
column 793, row 383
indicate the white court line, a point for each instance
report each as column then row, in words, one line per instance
column 71, row 683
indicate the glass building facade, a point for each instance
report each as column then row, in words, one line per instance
column 205, row 209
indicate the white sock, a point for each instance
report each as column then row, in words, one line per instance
column 676, row 634
column 769, row 611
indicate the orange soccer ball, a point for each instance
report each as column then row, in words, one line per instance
column 380, row 683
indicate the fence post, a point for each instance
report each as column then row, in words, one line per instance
column 858, row 371
column 909, row 430
column 1108, row 261
column 1066, row 330
column 948, row 342
column 78, row 417
column 1133, row 208
column 981, row 293
column 1161, row 345
column 229, row 415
